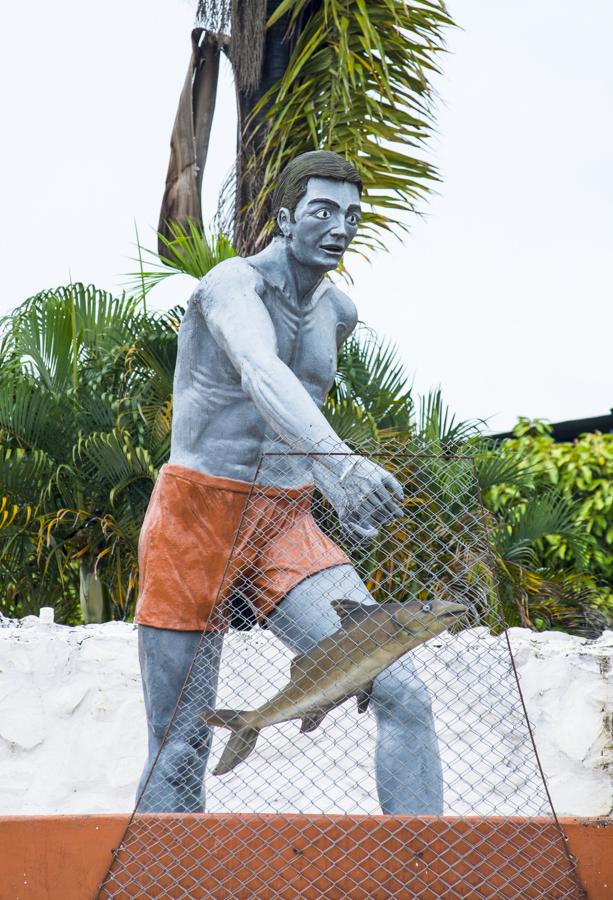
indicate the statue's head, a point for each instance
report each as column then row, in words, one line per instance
column 316, row 205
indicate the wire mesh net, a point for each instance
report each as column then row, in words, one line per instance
column 376, row 686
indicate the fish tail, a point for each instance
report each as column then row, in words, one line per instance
column 241, row 742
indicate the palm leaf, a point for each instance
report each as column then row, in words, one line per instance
column 358, row 83
column 33, row 417
column 352, row 423
column 438, row 430
column 112, row 459
column 46, row 331
column 24, row 474
column 188, row 251
column 371, row 374
column 550, row 513
column 494, row 468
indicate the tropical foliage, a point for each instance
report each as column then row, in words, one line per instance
column 85, row 417
column 185, row 250
column 447, row 545
column 341, row 75
column 85, row 399
column 358, row 83
column 580, row 476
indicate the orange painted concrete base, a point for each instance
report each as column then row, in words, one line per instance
column 66, row 857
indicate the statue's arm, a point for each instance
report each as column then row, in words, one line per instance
column 361, row 492
column 347, row 315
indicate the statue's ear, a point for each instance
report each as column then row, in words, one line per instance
column 283, row 221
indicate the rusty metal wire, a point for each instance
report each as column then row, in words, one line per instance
column 439, row 549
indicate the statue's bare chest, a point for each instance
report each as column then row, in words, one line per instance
column 306, row 339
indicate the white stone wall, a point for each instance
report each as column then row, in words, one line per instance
column 72, row 728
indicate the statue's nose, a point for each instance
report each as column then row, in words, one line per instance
column 338, row 229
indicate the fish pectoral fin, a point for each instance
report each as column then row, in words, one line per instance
column 313, row 720
column 344, row 607
column 363, row 698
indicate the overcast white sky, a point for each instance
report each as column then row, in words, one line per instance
column 501, row 294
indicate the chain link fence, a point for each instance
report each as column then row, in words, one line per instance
column 332, row 711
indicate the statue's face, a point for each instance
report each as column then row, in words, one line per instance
column 325, row 222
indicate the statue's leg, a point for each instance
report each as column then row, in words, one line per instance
column 408, row 767
column 176, row 782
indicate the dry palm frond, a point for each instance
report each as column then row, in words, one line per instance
column 247, row 42
column 215, row 15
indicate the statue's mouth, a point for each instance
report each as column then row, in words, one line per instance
column 333, row 248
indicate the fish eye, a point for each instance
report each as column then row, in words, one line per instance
column 323, row 213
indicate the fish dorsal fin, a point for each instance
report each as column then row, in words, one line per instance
column 312, row 720
column 344, row 607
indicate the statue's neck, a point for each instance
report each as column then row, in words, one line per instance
column 277, row 261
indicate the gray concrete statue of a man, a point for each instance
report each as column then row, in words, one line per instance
column 256, row 358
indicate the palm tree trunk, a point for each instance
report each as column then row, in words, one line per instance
column 278, row 45
column 247, row 223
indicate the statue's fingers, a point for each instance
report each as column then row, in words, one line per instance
column 386, row 502
column 393, row 486
column 376, row 508
column 358, row 530
column 361, row 534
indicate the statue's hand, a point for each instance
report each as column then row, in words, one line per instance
column 364, row 495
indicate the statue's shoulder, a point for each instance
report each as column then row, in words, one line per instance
column 230, row 270
column 345, row 308
column 220, row 283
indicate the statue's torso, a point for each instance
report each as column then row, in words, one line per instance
column 217, row 428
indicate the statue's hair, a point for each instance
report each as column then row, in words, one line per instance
column 292, row 183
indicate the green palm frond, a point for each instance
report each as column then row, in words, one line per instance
column 188, row 251
column 357, row 83
column 150, row 364
column 438, row 430
column 113, row 460
column 98, row 410
column 33, row 417
column 102, row 319
column 154, row 356
column 24, row 474
column 371, row 374
column 42, row 337
column 352, row 423
column 493, row 468
column 550, row 513
column 48, row 329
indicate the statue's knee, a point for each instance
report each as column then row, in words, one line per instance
column 399, row 696
column 179, row 761
column 185, row 729
column 158, row 725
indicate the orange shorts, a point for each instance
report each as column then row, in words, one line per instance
column 205, row 538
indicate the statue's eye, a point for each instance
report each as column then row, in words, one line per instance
column 353, row 219
column 323, row 214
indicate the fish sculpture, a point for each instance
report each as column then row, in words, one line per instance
column 370, row 638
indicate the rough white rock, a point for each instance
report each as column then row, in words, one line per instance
column 72, row 725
